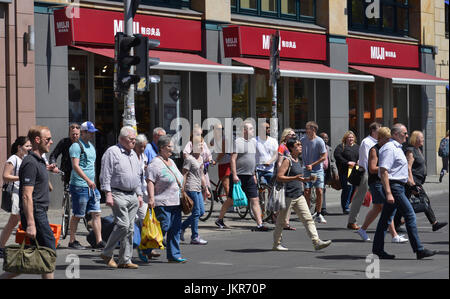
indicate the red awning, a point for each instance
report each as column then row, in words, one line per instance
column 305, row 70
column 402, row 76
column 178, row 61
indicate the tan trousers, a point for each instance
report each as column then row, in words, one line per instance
column 301, row 209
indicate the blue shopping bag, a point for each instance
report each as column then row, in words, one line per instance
column 239, row 197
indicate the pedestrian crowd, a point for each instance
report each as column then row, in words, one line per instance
column 138, row 176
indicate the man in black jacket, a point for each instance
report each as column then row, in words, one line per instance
column 62, row 148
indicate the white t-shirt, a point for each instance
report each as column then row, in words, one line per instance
column 265, row 150
column 16, row 162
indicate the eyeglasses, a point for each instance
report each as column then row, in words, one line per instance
column 131, row 139
column 404, row 133
column 47, row 140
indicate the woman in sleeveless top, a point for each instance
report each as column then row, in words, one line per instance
column 291, row 173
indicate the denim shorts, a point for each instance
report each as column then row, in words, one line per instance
column 84, row 200
column 378, row 196
column 319, row 183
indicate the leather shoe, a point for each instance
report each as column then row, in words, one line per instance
column 425, row 253
column 384, row 255
column 128, row 266
column 439, row 225
column 109, row 261
column 353, row 226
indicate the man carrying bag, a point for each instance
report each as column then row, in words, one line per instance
column 34, row 200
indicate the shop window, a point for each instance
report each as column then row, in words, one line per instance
column 400, row 105
column 78, row 99
column 353, row 107
column 297, row 10
column 264, row 95
column 391, row 18
column 240, row 96
column 300, row 99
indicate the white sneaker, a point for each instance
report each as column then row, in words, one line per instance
column 362, row 233
column 322, row 244
column 399, row 239
column 320, row 219
column 279, row 248
column 198, row 241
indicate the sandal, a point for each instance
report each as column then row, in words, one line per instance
column 289, row 228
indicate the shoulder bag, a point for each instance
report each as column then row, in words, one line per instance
column 187, row 204
column 7, row 192
column 277, row 200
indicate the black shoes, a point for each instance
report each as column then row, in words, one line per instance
column 425, row 253
column 439, row 225
column 76, row 245
column 384, row 255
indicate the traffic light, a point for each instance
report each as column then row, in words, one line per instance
column 124, row 60
column 146, row 62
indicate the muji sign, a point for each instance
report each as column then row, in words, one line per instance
column 98, row 27
column 371, row 52
column 244, row 40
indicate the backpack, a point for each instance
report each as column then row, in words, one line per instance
column 443, row 148
column 83, row 153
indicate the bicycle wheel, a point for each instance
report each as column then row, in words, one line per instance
column 65, row 221
column 243, row 211
column 209, row 205
column 263, row 195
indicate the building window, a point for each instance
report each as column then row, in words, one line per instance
column 78, row 91
column 301, row 100
column 296, row 10
column 240, row 95
column 446, row 19
column 165, row 3
column 391, row 18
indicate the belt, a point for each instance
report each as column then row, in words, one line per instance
column 123, row 191
column 397, row 182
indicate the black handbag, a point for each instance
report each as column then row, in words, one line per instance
column 419, row 201
column 7, row 198
column 356, row 176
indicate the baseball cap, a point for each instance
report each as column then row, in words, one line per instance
column 88, row 126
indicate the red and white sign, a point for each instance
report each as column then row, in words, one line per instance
column 244, row 40
column 98, row 27
column 361, row 51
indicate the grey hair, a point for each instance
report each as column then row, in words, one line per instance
column 397, row 128
column 164, row 141
column 126, row 131
column 141, row 139
column 157, row 130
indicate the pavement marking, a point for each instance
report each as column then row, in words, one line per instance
column 216, row 263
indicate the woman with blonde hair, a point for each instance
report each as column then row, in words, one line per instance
column 376, row 189
column 417, row 173
column 346, row 155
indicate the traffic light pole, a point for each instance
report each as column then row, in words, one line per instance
column 129, row 116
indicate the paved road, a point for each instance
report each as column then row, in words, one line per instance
column 239, row 253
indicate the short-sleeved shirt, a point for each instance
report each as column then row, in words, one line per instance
column 312, row 150
column 15, row 161
column 33, row 172
column 394, row 161
column 167, row 192
column 87, row 162
column 283, row 150
column 246, row 156
column 265, row 150
column 195, row 171
column 151, row 151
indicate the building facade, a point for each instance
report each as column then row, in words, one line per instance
column 343, row 64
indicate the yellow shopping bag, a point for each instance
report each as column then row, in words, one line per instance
column 151, row 234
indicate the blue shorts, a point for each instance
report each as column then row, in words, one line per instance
column 265, row 177
column 84, row 200
column 319, row 183
column 378, row 196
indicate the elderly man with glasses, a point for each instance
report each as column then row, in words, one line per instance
column 393, row 171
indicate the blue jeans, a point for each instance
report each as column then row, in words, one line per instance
column 170, row 220
column 347, row 192
column 197, row 211
column 402, row 203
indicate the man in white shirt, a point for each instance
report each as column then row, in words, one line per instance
column 266, row 154
column 393, row 171
column 363, row 163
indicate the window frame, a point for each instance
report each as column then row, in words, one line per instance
column 378, row 27
column 278, row 14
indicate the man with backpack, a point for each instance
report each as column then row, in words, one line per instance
column 443, row 153
column 84, row 192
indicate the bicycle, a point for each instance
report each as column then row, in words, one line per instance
column 264, row 193
column 66, row 215
column 217, row 195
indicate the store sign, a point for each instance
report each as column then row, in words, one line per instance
column 243, row 40
column 381, row 53
column 98, row 27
